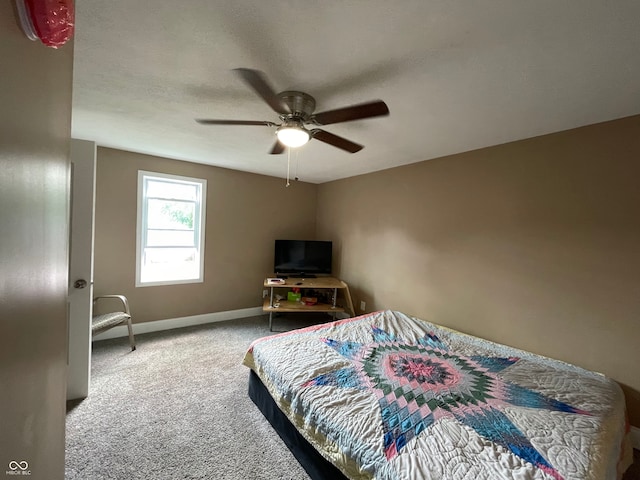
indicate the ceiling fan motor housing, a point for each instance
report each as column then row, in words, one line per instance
column 301, row 104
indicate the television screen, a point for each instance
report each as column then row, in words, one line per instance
column 303, row 257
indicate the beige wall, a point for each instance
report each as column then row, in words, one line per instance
column 534, row 244
column 245, row 214
column 35, row 124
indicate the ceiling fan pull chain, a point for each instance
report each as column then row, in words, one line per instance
column 295, row 168
column 288, row 164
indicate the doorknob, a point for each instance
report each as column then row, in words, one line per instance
column 80, row 283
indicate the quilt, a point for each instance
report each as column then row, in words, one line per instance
column 390, row 396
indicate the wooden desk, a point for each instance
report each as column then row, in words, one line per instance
column 272, row 305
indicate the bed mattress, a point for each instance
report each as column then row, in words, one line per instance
column 390, row 396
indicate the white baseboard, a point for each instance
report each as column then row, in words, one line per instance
column 635, row 437
column 168, row 324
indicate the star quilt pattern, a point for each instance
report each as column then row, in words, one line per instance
column 418, row 383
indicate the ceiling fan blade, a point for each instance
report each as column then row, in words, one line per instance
column 278, row 148
column 354, row 112
column 335, row 140
column 205, row 121
column 258, row 81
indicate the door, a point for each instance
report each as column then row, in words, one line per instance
column 83, row 162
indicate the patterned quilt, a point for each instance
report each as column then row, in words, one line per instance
column 388, row 396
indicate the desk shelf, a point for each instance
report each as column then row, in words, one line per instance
column 287, row 306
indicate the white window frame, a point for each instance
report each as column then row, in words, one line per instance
column 141, row 230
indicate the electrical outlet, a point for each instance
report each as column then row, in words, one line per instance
column 363, row 305
column 265, row 292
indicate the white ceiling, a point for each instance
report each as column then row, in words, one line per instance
column 456, row 75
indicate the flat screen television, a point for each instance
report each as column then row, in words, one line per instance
column 302, row 258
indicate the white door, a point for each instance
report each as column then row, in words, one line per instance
column 83, row 163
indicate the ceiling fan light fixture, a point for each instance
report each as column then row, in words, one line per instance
column 293, row 136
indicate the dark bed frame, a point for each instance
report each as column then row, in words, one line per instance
column 314, row 464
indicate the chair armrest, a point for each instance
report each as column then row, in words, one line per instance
column 122, row 298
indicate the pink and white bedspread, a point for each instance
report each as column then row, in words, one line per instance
column 389, row 396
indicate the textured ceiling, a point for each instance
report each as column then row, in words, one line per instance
column 456, row 75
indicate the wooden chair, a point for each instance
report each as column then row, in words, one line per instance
column 102, row 323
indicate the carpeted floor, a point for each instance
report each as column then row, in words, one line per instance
column 177, row 408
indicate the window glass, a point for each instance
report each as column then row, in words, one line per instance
column 171, row 216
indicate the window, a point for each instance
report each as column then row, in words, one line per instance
column 170, row 243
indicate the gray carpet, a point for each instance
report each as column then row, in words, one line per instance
column 177, row 408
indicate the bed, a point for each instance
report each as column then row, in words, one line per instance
column 389, row 396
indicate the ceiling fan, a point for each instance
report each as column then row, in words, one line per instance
column 295, row 110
